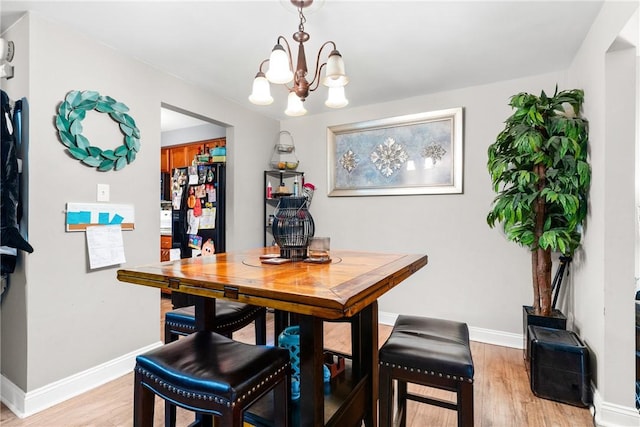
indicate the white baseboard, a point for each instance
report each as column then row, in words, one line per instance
column 25, row 404
column 612, row 415
column 606, row 414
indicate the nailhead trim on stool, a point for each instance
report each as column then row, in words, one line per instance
column 210, row 374
column 430, row 352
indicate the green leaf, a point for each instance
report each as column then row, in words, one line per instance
column 87, row 105
column 131, row 156
column 128, row 120
column 77, row 114
column 82, row 142
column 90, row 95
column 121, row 151
column 118, row 117
column 64, row 109
column 120, row 163
column 73, row 98
column 67, row 139
column 109, row 154
column 106, row 165
column 120, row 107
column 62, row 124
column 78, row 153
column 76, row 127
column 126, row 129
column 92, row 161
column 103, row 107
column 94, row 151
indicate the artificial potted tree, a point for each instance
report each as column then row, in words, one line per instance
column 539, row 170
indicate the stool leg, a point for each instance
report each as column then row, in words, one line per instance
column 281, row 402
column 386, row 397
column 402, row 403
column 143, row 403
column 261, row 329
column 465, row 404
column 169, row 414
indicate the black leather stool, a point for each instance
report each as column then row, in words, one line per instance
column 211, row 374
column 230, row 317
column 430, row 352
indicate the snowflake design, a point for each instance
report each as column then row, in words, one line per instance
column 435, row 151
column 388, row 157
column 349, row 161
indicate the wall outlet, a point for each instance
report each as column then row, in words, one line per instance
column 103, row 192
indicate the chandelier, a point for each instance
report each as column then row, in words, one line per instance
column 281, row 71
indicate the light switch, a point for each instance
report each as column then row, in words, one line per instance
column 103, row 192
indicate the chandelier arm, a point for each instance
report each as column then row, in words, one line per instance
column 316, row 74
column 261, row 64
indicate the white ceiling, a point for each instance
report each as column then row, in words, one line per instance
column 392, row 49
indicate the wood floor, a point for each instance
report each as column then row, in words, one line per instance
column 502, row 395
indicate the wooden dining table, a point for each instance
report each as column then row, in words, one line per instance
column 345, row 289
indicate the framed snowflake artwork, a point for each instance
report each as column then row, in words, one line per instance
column 412, row 154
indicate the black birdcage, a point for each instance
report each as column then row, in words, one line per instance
column 292, row 227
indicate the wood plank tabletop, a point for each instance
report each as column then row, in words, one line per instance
column 352, row 280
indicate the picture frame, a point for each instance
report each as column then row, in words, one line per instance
column 405, row 155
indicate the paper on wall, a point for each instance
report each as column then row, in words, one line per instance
column 105, row 246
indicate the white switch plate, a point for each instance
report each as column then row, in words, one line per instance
column 103, row 192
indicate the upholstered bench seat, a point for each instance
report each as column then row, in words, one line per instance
column 211, row 374
column 431, row 352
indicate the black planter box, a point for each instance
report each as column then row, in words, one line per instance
column 559, row 366
column 557, row 320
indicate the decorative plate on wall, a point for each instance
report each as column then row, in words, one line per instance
column 69, row 124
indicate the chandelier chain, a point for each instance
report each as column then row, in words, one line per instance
column 303, row 19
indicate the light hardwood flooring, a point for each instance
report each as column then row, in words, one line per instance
column 502, row 395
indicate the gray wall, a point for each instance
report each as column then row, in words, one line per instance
column 60, row 318
column 474, row 274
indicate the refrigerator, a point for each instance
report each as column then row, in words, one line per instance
column 198, row 209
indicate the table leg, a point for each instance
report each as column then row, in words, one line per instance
column 311, row 374
column 205, row 312
column 369, row 319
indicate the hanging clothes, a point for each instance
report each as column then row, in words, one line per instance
column 10, row 237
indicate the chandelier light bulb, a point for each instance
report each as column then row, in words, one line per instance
column 261, row 93
column 279, row 71
column 295, row 106
column 336, row 98
column 334, row 73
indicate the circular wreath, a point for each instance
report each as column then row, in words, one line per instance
column 69, row 123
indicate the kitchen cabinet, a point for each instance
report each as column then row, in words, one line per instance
column 180, row 156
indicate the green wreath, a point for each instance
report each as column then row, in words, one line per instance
column 69, row 123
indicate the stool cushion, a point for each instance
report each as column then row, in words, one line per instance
column 211, row 364
column 437, row 345
column 228, row 313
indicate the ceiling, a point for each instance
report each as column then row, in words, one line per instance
column 392, row 49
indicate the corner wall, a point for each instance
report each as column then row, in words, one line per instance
column 604, row 269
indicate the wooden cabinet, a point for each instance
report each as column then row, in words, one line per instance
column 165, row 165
column 180, row 156
column 165, row 247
